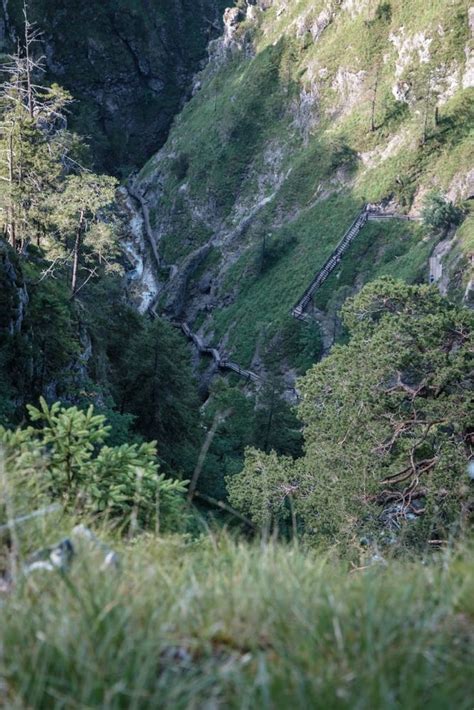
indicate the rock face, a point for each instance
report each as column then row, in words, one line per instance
column 13, row 293
column 129, row 63
column 271, row 160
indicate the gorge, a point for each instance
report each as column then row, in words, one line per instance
column 236, row 354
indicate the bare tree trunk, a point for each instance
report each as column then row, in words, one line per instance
column 28, row 41
column 374, row 100
column 11, row 231
column 76, row 254
column 224, row 506
column 218, row 419
column 294, row 523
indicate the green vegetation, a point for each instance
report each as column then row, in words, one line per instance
column 335, row 107
column 389, row 248
column 148, row 375
column 135, row 371
column 39, row 341
column 47, row 197
column 88, row 477
column 263, row 308
column 173, row 538
column 67, row 332
column 439, row 214
column 186, row 624
column 387, row 426
column 262, row 311
column 190, row 620
column 265, row 421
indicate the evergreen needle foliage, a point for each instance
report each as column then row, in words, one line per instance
column 89, row 477
column 387, row 425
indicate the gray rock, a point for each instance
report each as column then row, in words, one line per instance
column 55, row 558
column 82, row 545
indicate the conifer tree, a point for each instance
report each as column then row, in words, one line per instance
column 86, row 232
column 387, row 425
column 34, row 142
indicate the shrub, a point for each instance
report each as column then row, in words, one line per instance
column 384, row 12
column 180, row 167
column 89, row 477
column 439, row 214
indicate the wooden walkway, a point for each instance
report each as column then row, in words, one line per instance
column 220, row 361
column 299, row 309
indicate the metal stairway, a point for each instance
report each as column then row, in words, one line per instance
column 298, row 310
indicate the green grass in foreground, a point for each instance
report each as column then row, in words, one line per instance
column 213, row 624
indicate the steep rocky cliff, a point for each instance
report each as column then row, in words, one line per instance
column 13, row 293
column 305, row 112
column 129, row 63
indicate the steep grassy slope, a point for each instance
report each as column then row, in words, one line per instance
column 128, row 62
column 274, row 156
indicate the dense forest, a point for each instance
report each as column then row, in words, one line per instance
column 236, row 354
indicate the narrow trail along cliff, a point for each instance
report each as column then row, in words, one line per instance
column 299, row 311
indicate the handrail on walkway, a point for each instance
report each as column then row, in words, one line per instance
column 298, row 310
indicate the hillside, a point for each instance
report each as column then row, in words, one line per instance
column 236, row 354
column 306, row 112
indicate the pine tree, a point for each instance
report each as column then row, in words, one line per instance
column 387, row 425
column 86, row 229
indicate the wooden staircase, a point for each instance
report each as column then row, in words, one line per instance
column 298, row 310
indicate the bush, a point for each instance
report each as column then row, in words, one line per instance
column 439, row 214
column 180, row 167
column 122, row 482
column 384, row 12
